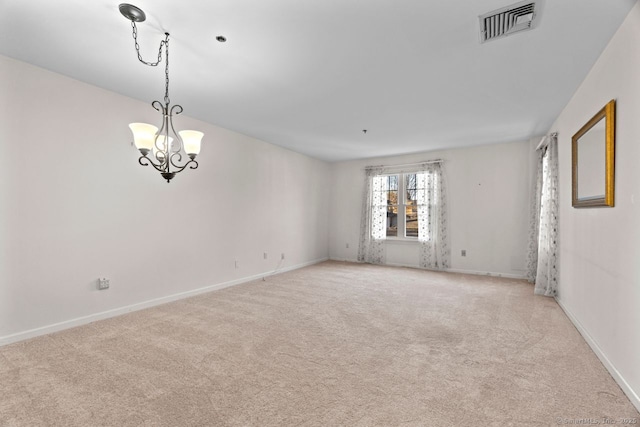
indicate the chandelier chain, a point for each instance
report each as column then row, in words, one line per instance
column 164, row 43
column 135, row 39
column 166, row 71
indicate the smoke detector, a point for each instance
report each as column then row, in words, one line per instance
column 508, row 20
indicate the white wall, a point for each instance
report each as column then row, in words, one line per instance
column 599, row 284
column 75, row 205
column 488, row 196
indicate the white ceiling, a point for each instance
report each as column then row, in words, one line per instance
column 309, row 75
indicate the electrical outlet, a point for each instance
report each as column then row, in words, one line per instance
column 463, row 252
column 282, row 256
column 103, row 283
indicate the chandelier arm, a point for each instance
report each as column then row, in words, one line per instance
column 146, row 161
column 162, row 161
column 179, row 109
column 191, row 163
column 159, row 107
column 175, row 107
column 178, row 157
column 162, row 109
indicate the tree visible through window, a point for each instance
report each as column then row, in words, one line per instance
column 411, row 206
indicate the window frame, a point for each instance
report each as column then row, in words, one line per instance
column 401, row 230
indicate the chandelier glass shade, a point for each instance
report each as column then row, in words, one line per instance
column 167, row 158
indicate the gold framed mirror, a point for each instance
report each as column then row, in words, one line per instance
column 593, row 160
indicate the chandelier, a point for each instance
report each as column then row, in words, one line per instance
column 162, row 148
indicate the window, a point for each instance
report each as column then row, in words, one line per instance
column 400, row 192
column 405, row 206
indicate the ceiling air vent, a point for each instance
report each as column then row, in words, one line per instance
column 507, row 20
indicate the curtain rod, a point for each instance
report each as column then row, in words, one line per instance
column 544, row 138
column 406, row 164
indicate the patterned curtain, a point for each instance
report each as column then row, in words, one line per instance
column 432, row 217
column 542, row 257
column 373, row 225
column 534, row 220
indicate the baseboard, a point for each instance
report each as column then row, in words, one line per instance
column 343, row 259
column 487, row 273
column 624, row 385
column 79, row 321
column 449, row 270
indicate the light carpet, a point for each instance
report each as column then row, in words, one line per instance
column 334, row 344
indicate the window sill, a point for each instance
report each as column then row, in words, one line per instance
column 402, row 240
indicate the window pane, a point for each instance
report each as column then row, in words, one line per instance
column 411, row 208
column 411, row 217
column 411, row 186
column 392, row 206
column 392, row 193
column 392, row 220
